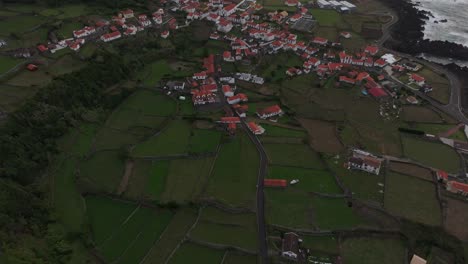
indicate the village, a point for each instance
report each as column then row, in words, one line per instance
column 377, row 74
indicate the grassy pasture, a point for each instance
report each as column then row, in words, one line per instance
column 333, row 213
column 326, row 244
column 233, row 258
column 369, row 251
column 186, row 179
column 420, row 114
column 8, row 63
column 423, row 151
column 440, row 85
column 235, row 169
column 134, row 238
column 174, row 233
column 276, row 131
column 363, row 185
column 293, row 155
column 204, row 140
column 327, row 17
column 234, row 235
column 192, row 253
column 288, row 208
column 173, row 140
column 106, row 216
column 112, row 139
column 102, row 171
column 412, row 198
column 150, row 103
column 310, row 180
column 19, row 24
column 148, row 180
column 155, row 71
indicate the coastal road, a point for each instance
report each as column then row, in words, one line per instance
column 454, row 107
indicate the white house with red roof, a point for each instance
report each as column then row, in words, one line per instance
column 372, row 50
column 229, row 120
column 86, row 31
column 144, row 21
column 128, row 13
column 200, row 75
column 237, row 98
column 111, row 36
column 417, row 79
column 291, row 2
column 224, row 25
column 346, row 79
column 380, row 63
column 213, row 17
column 295, row 17
column 270, row 111
column 457, row 187
column 203, row 97
column 227, row 56
column 131, row 30
column 165, row 34
column 227, row 90
column 157, row 18
column 345, row 35
column 255, row 128
column 228, row 10
column 320, row 41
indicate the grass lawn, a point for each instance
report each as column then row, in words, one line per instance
column 192, row 253
column 173, row 140
column 67, row 200
column 66, row 30
column 109, row 138
column 412, row 198
column 19, row 24
column 235, row 169
column 135, row 237
column 204, row 140
column 439, row 83
column 155, row 71
column 326, row 17
column 106, row 215
column 288, row 208
column 103, row 171
column 174, row 233
column 333, row 213
column 297, row 155
column 370, row 251
column 234, row 235
column 363, row 185
column 424, row 152
column 326, row 244
column 186, row 108
column 233, row 258
column 150, row 103
column 65, row 64
column 310, row 180
column 186, row 179
column 8, row 63
column 148, row 180
column 276, row 131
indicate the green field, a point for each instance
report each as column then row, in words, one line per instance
column 437, row 129
column 310, row 180
column 276, row 131
column 326, row 244
column 370, row 251
column 19, row 24
column 217, row 226
column 233, row 258
column 235, row 169
column 186, row 179
column 363, row 185
column 412, row 198
column 326, row 17
column 192, row 253
column 287, row 208
column 102, row 171
column 8, row 63
column 203, row 140
column 173, row 140
column 155, row 71
column 333, row 213
column 106, row 215
column 423, row 151
column 297, row 155
column 150, row 103
column 174, row 234
column 148, row 180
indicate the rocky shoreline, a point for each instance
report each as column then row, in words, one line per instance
column 408, row 37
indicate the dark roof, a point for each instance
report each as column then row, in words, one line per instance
column 291, row 242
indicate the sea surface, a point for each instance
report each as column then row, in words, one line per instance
column 454, row 30
column 455, row 11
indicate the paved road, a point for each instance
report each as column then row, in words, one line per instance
column 454, row 108
column 260, row 199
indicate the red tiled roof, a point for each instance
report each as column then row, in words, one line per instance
column 275, row 183
column 458, row 186
column 270, row 109
column 442, row 174
column 417, row 77
column 230, row 119
column 371, row 49
column 377, row 92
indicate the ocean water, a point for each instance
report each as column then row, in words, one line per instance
column 455, row 11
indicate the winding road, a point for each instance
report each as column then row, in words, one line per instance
column 454, row 107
